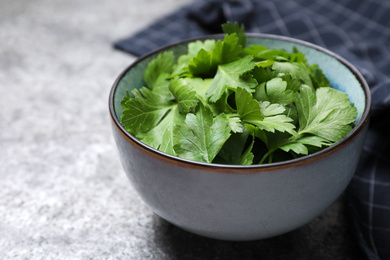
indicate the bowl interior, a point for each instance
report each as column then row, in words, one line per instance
column 340, row 73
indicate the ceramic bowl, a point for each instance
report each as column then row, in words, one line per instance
column 233, row 202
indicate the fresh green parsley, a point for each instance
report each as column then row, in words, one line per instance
column 228, row 103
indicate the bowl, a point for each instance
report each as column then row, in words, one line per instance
column 233, row 202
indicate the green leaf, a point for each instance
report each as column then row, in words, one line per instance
column 260, row 52
column 248, row 156
column 318, row 78
column 324, row 112
column 279, row 123
column 144, row 111
column 264, row 63
column 230, row 49
column 234, row 151
column 200, row 86
column 299, row 145
column 293, row 84
column 230, row 28
column 235, row 124
column 297, row 56
column 206, row 62
column 247, row 107
column 250, row 111
column 184, row 95
column 193, row 49
column 295, row 69
column 287, row 143
column 161, row 136
column 229, row 76
column 202, row 136
column 158, row 70
column 275, row 91
column 268, row 109
column 273, row 141
column 262, row 74
column 125, row 99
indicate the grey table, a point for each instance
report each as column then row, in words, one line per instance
column 63, row 194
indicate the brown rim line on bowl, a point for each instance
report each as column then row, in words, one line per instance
column 158, row 177
column 248, row 168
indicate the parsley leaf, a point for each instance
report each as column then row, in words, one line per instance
column 184, row 95
column 206, row 62
column 325, row 112
column 159, row 69
column 300, row 145
column 317, row 77
column 230, row 28
column 181, row 68
column 229, row 76
column 161, row 136
column 236, row 151
column 202, row 136
column 265, row 116
column 275, row 91
column 144, row 111
column 296, row 70
column 283, row 141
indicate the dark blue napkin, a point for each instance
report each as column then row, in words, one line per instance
column 359, row 31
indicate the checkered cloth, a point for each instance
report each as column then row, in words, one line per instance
column 358, row 30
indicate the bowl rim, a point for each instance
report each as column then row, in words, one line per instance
column 364, row 120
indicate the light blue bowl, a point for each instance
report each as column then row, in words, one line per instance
column 233, row 202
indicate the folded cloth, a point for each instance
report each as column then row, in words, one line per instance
column 201, row 18
column 357, row 30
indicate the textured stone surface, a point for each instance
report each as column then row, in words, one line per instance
column 63, row 193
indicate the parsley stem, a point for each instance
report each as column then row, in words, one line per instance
column 268, row 154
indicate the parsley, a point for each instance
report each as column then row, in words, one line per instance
column 202, row 135
column 225, row 102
